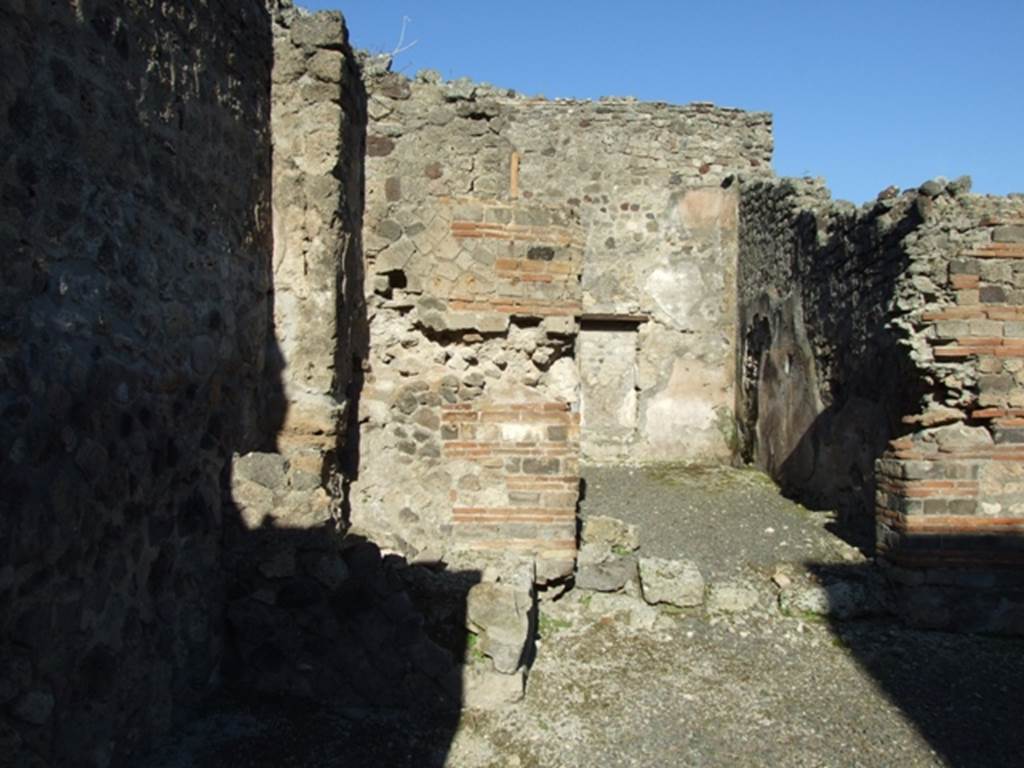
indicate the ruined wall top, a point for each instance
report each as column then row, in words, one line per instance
column 702, row 142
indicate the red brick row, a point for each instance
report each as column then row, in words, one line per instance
column 551, row 235
column 997, row 251
column 991, row 346
column 978, row 312
column 513, row 306
column 540, row 546
column 997, row 413
column 996, row 452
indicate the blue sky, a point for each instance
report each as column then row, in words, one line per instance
column 864, row 93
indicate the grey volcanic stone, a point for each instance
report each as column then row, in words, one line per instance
column 502, row 616
column 483, row 688
column 132, row 356
column 266, row 469
column 599, row 570
column 731, row 598
column 676, row 582
column 610, row 531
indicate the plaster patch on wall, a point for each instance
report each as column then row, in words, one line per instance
column 678, row 292
column 683, row 418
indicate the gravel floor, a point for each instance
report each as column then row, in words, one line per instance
column 724, row 519
column 740, row 691
column 753, row 691
column 618, row 683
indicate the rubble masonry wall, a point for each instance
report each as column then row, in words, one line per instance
column 136, row 240
column 495, row 226
column 881, row 363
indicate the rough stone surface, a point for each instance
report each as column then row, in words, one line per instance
column 502, row 615
column 731, row 597
column 206, row 406
column 599, row 569
column 817, row 283
column 318, row 119
column 487, row 689
column 840, row 599
column 493, row 234
column 731, row 693
column 725, row 520
column 135, row 235
column 611, row 532
column 675, row 582
column 623, row 609
column 879, row 373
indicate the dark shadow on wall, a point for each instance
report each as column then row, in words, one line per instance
column 832, row 465
column 824, row 380
column 134, row 232
column 334, row 653
column 963, row 693
column 137, row 356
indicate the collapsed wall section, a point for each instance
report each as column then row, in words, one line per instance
column 879, row 373
column 135, row 232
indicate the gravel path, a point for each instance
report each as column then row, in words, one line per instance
column 724, row 519
column 750, row 691
column 618, row 683
column 690, row 691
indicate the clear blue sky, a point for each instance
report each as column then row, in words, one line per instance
column 864, row 93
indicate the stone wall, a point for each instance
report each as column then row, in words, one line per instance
column 950, row 504
column 652, row 183
column 821, row 379
column 135, row 232
column 319, row 133
column 495, row 225
column 218, row 355
column 460, row 358
column 879, row 373
column 293, row 578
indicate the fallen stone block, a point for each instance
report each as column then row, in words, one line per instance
column 598, row 569
column 731, row 598
column 623, row 610
column 502, row 616
column 615, row 533
column 673, row 582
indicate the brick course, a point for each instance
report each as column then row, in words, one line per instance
column 538, row 480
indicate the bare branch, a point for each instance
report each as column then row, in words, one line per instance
column 399, row 48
